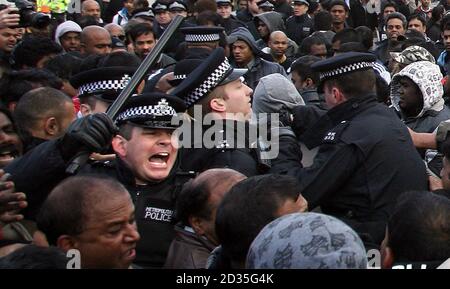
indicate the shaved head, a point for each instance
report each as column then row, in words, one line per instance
column 95, row 40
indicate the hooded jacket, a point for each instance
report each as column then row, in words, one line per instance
column 427, row 77
column 275, row 93
column 260, row 67
column 274, row 22
column 63, row 28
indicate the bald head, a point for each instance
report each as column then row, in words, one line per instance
column 90, row 8
column 218, row 181
column 278, row 44
column 95, row 40
column 115, row 30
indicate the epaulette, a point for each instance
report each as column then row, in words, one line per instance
column 105, row 164
column 333, row 135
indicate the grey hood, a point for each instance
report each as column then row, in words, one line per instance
column 275, row 93
column 273, row 20
column 244, row 34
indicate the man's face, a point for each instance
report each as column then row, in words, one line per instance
column 416, row 24
column 278, row 44
column 129, row 5
column 300, row 9
column 144, row 44
column 262, row 29
column 69, row 116
column 110, row 235
column 394, row 28
column 297, row 81
column 242, row 4
column 238, row 98
column 252, row 6
column 446, row 37
column 117, row 32
column 70, row 41
column 7, row 39
column 411, row 100
column 319, row 50
column 10, row 144
column 98, row 43
column 338, row 14
column 242, row 52
column 162, row 17
column 92, row 9
column 224, row 10
column 425, row 3
column 388, row 10
column 445, row 174
column 150, row 154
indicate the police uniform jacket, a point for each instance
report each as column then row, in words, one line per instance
column 366, row 159
column 154, row 202
column 224, row 153
column 299, row 27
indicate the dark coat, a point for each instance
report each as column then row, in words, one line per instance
column 357, row 176
column 299, row 27
column 37, row 178
column 259, row 69
column 188, row 250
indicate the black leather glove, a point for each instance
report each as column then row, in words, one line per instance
column 442, row 134
column 92, row 133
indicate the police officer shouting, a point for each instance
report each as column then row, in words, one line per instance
column 146, row 164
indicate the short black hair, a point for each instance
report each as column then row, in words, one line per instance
column 119, row 58
column 37, row 104
column 322, row 21
column 35, row 257
column 64, row 65
column 14, row 84
column 248, row 207
column 302, row 66
column 419, row 228
column 346, row 35
column 419, row 17
column 64, row 212
column 32, row 49
column 338, row 2
column 366, row 36
column 193, row 201
column 138, row 30
column 305, row 47
column 87, row 20
column 355, row 84
column 389, row 4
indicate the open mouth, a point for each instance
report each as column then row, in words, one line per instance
column 159, row 159
column 8, row 153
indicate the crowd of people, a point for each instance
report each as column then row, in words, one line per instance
column 266, row 134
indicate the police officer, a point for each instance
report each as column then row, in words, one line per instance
column 146, row 164
column 214, row 91
column 300, row 25
column 366, row 158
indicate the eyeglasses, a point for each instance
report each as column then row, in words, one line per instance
column 120, row 37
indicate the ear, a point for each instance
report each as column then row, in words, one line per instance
column 82, row 48
column 51, row 126
column 66, row 242
column 388, row 259
column 218, row 105
column 197, row 225
column 12, row 106
column 119, row 145
column 85, row 109
column 309, row 82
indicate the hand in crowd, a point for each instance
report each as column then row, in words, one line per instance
column 435, row 183
column 9, row 19
column 11, row 202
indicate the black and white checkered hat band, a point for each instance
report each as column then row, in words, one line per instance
column 179, row 76
column 209, row 83
column 345, row 69
column 177, row 5
column 162, row 109
column 103, row 85
column 202, row 37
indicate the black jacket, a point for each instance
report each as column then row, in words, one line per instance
column 261, row 68
column 154, row 202
column 299, row 27
column 366, row 159
column 227, row 152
